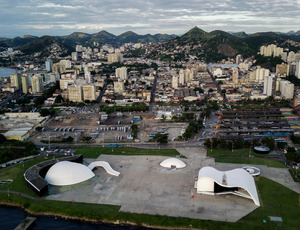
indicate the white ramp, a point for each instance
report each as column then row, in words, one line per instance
column 105, row 165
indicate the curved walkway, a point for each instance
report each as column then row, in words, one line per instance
column 105, row 165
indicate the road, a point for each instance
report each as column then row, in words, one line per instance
column 218, row 87
column 152, row 99
column 3, row 103
column 102, row 91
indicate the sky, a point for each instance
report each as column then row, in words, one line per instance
column 62, row 17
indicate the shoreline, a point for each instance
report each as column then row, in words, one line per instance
column 91, row 221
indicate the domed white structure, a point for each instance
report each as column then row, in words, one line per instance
column 173, row 163
column 68, row 173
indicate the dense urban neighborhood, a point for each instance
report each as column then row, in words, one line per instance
column 224, row 108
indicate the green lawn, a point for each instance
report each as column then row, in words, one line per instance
column 237, row 152
column 241, row 156
column 94, row 152
column 16, row 173
column 276, row 200
column 295, row 174
column 251, row 160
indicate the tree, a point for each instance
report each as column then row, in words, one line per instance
column 134, row 130
column 59, row 99
column 269, row 142
column 199, row 90
column 210, row 90
column 39, row 129
column 47, row 112
column 207, row 143
column 161, row 138
column 2, row 139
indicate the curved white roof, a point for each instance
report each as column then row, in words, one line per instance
column 171, row 162
column 105, row 165
column 234, row 178
column 68, row 173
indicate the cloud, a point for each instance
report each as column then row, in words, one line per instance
column 61, row 17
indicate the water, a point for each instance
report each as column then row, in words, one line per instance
column 6, row 72
column 12, row 217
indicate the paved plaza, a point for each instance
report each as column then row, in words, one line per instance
column 145, row 187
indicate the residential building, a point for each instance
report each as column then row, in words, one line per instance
column 282, row 70
column 75, row 93
column 287, row 89
column 58, row 68
column 175, row 81
column 49, row 64
column 37, row 83
column 89, row 92
column 269, row 85
column 235, row 75
column 119, row 87
column 74, row 56
column 15, row 80
column 25, row 84
column 121, row 73
column 297, row 72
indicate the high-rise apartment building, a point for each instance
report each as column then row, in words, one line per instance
column 121, row 73
column 89, row 92
column 25, row 84
column 37, row 83
column 66, row 63
column 58, row 68
column 282, row 70
column 297, row 72
column 74, row 56
column 115, row 57
column 269, row 85
column 49, row 64
column 175, row 82
column 75, row 93
column 15, row 80
column 287, row 89
column 235, row 75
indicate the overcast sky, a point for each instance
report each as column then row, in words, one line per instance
column 62, row 17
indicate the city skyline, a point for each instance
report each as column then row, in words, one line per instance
column 54, row 17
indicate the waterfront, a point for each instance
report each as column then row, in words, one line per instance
column 11, row 217
column 6, row 72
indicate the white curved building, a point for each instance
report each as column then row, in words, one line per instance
column 173, row 163
column 68, row 173
column 237, row 181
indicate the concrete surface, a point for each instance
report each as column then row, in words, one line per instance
column 145, row 187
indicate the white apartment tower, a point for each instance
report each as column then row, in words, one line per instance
column 181, row 77
column 175, row 82
column 74, row 56
column 287, row 89
column 87, row 75
column 121, row 73
column 269, row 85
column 297, row 73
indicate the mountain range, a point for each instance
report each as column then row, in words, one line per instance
column 204, row 44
